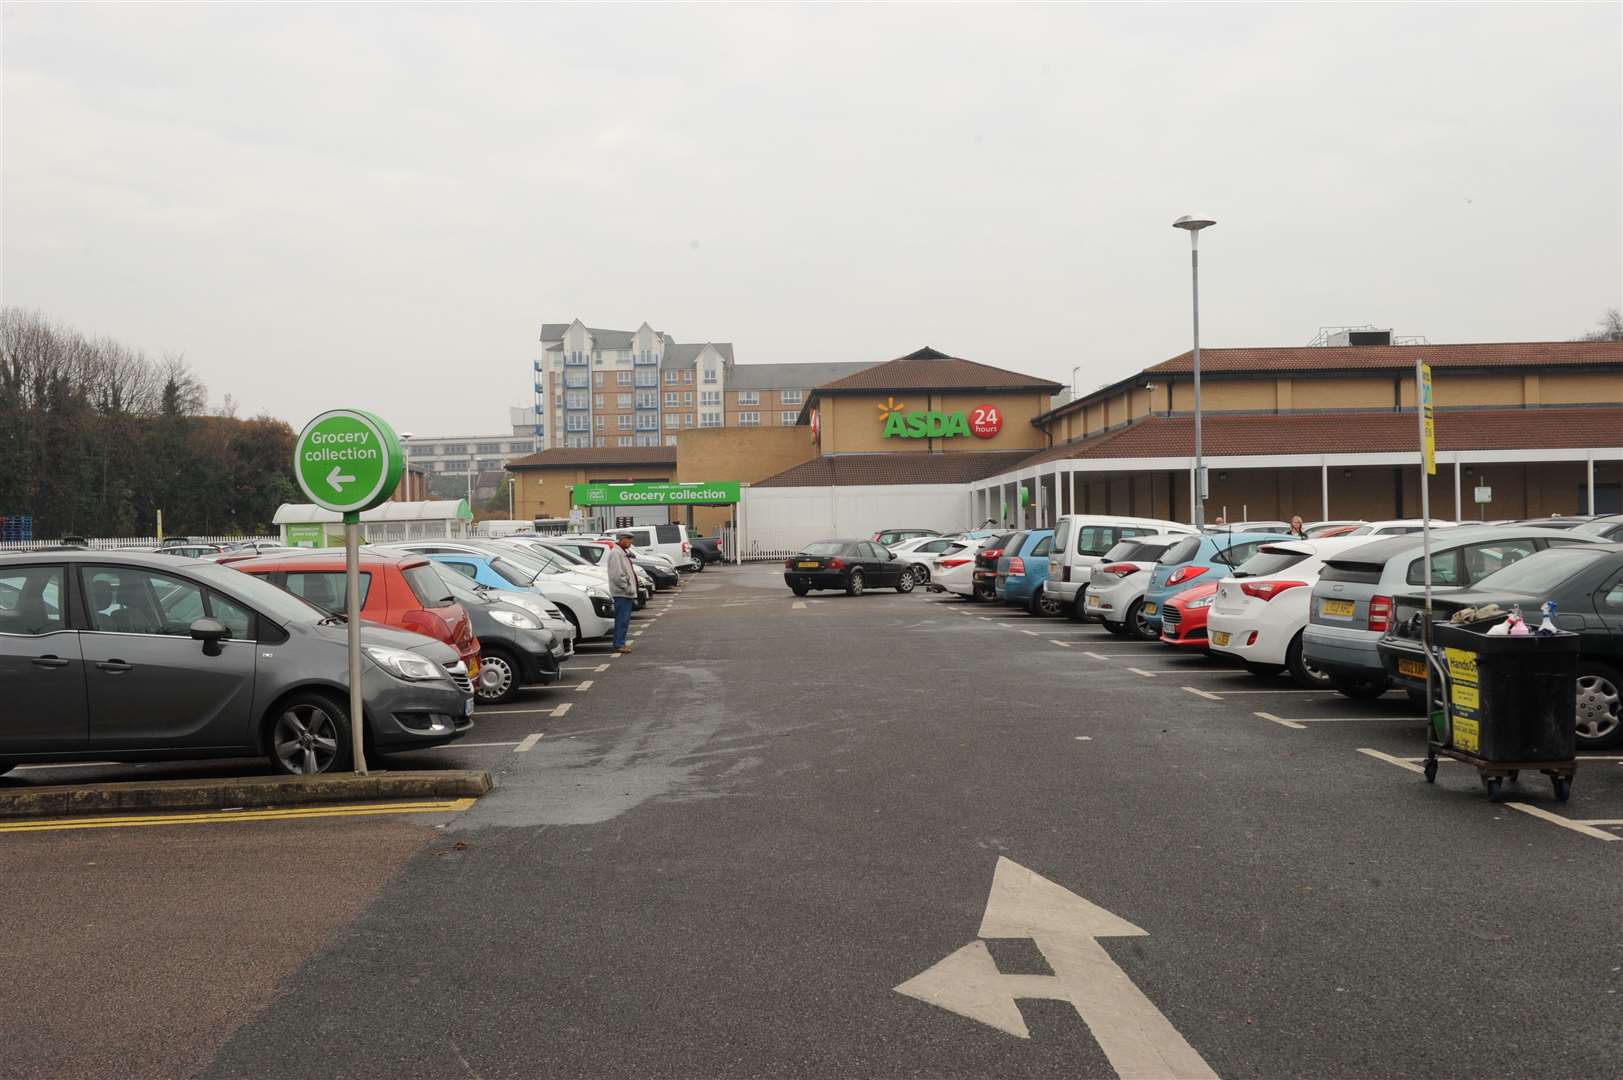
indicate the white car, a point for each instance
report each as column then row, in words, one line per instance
column 583, row 600
column 1115, row 592
column 1397, row 527
column 1259, row 613
column 1081, row 540
column 923, row 551
column 955, row 570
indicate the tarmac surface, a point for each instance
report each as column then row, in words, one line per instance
column 736, row 842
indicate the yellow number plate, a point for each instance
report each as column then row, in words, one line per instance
column 1344, row 608
column 1220, row 637
column 1415, row 669
column 1094, row 601
column 810, row 565
column 1149, row 609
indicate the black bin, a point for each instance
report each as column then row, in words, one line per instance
column 1511, row 699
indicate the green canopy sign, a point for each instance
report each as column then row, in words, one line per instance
column 721, row 492
column 347, row 460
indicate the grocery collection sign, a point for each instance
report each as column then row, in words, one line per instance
column 658, row 494
column 347, row 460
column 983, row 422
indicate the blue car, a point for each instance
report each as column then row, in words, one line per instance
column 1022, row 569
column 1198, row 559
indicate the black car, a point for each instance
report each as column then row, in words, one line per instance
column 514, row 648
column 1586, row 584
column 985, row 573
column 705, row 549
column 852, row 565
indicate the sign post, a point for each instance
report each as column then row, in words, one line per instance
column 347, row 461
column 1428, row 469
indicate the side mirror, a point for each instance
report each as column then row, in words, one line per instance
column 890, row 555
column 210, row 632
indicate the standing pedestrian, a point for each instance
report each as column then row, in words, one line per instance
column 622, row 587
column 1297, row 528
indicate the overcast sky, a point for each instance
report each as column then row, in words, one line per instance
column 379, row 206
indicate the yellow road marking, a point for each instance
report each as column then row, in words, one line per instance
column 216, row 817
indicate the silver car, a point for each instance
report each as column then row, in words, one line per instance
column 1352, row 605
column 123, row 656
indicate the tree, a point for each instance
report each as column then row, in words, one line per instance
column 1610, row 327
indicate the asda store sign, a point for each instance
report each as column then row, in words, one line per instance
column 983, row 422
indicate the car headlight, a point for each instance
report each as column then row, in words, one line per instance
column 596, row 593
column 517, row 619
column 404, row 665
column 1206, row 602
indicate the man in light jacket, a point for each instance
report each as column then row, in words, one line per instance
column 622, row 587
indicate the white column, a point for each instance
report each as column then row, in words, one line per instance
column 1459, row 509
column 1072, row 508
column 1589, row 468
column 1055, row 510
column 1324, row 490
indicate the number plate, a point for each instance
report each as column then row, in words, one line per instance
column 1094, row 601
column 1220, row 637
column 1342, row 608
column 467, row 707
column 1415, row 669
column 809, row 565
column 1150, row 609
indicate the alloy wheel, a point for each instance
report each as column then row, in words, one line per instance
column 504, row 677
column 1598, row 707
column 306, row 740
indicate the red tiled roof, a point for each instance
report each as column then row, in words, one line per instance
column 1397, row 357
column 1348, row 433
column 845, row 470
column 928, row 369
column 601, row 455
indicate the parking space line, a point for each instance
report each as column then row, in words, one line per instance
column 528, row 743
column 560, row 710
column 1278, row 690
column 1389, row 759
column 1141, row 671
column 798, row 605
column 583, row 687
column 1281, row 721
column 473, row 745
column 510, row 712
column 1061, row 644
column 1581, row 827
column 601, row 667
column 1033, row 633
column 221, row 817
column 1202, row 694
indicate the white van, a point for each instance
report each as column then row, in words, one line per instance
column 671, row 540
column 1079, row 542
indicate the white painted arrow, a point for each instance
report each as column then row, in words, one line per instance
column 337, row 480
column 1140, row 1043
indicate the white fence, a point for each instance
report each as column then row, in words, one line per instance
column 113, row 543
column 776, row 522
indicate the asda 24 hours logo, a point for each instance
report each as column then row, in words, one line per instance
column 983, row 422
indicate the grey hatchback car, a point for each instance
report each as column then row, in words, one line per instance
column 124, row 656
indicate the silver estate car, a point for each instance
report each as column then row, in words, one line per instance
column 1352, row 605
column 124, row 656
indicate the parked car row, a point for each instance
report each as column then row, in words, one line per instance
column 1333, row 610
column 146, row 655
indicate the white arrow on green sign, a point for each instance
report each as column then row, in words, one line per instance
column 347, row 460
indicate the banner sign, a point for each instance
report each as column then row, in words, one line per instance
column 658, row 493
column 1430, row 427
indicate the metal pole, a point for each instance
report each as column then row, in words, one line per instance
column 1590, row 467
column 1200, row 476
column 1459, row 509
column 509, row 498
column 352, row 616
column 1324, row 491
column 1425, row 541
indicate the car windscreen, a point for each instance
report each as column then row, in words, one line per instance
column 1269, row 561
column 1540, row 574
column 1181, row 552
column 824, row 548
column 511, row 572
column 426, row 586
column 277, row 604
column 567, row 556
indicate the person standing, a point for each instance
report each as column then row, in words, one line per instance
column 622, row 588
column 1297, row 528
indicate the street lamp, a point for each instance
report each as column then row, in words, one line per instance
column 1073, row 380
column 405, row 452
column 1193, row 223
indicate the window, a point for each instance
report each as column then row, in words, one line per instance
column 687, row 398
column 577, row 422
column 622, row 401
column 672, row 399
column 453, row 448
column 488, row 448
column 749, row 397
column 578, row 442
column 325, row 588
column 749, row 419
column 460, row 465
column 709, row 397
column 710, row 376
column 647, row 421
column 575, row 399
column 648, row 399
column 597, row 401
column 31, row 600
column 687, row 420
column 601, row 440
column 625, row 421
column 670, row 378
column 646, row 378
column 427, row 586
column 672, row 420
column 667, row 534
column 670, row 440
column 597, row 378
column 599, row 421
column 1483, row 559
column 709, row 419
column 687, row 376
column 576, row 380
column 238, row 620
column 622, row 378
column 1610, row 596
column 648, row 440
column 624, row 440
column 791, row 397
column 521, row 447
column 788, row 417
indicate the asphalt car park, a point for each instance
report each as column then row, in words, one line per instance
column 815, row 836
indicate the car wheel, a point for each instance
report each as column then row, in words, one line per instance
column 308, row 733
column 1360, row 689
column 1138, row 623
column 507, row 677
column 1261, row 671
column 1078, row 611
column 1114, row 629
column 698, row 564
column 853, row 584
column 1049, row 605
column 1600, row 721
column 921, row 573
column 1303, row 673
column 799, row 590
column 570, row 615
column 904, row 584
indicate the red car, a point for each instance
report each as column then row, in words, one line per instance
column 402, row 591
column 1183, row 617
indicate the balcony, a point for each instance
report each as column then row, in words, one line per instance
column 646, row 359
column 577, row 380
column 577, row 359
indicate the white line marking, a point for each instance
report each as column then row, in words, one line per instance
column 1280, row 690
column 1061, row 644
column 528, row 742
column 560, row 710
column 1579, row 827
column 583, row 687
column 1096, row 656
column 1360, row 720
column 67, row 765
column 1141, row 671
column 1202, row 693
column 1603, row 821
column 1084, row 738
column 1389, row 759
column 1280, row 721
column 798, row 605
column 507, row 712
column 471, row 745
column 986, row 618
column 1033, row 633
column 1006, row 626
column 601, row 667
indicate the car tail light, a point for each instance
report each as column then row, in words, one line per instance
column 1185, row 573
column 788, row 564
column 1251, row 639
column 1017, row 565
column 686, row 547
column 948, row 564
column 1380, row 613
column 1267, row 590
column 426, row 622
column 1121, row 569
column 836, row 564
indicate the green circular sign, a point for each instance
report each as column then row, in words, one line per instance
column 347, row 460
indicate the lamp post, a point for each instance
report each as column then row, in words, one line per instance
column 1073, row 380
column 405, row 452
column 1193, row 223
